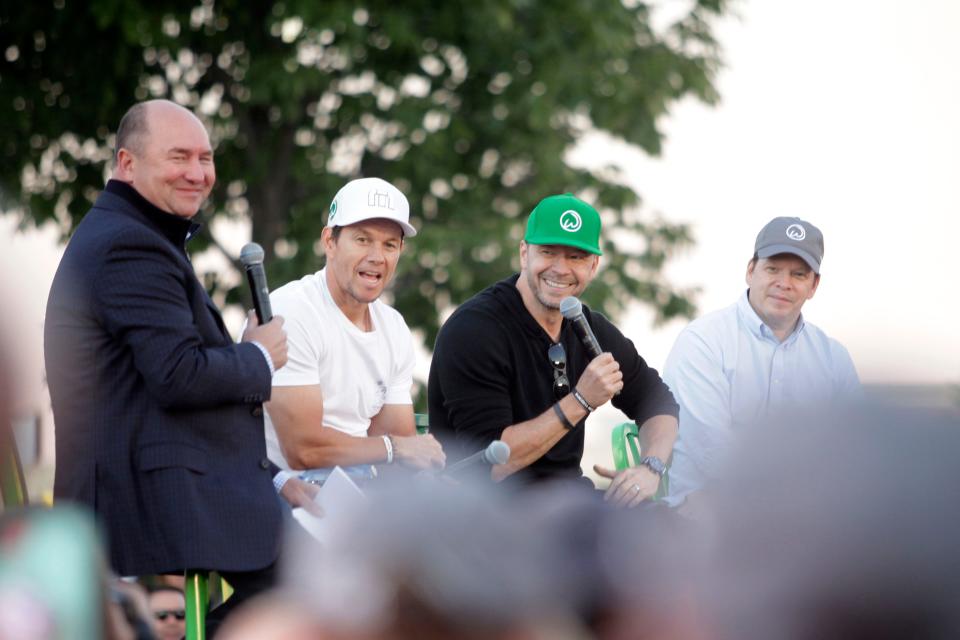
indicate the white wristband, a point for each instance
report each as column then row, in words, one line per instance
column 389, row 445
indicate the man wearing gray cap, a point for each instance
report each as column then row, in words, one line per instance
column 344, row 397
column 754, row 361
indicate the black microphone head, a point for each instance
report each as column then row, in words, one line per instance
column 497, row 452
column 570, row 307
column 251, row 254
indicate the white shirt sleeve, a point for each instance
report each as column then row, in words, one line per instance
column 401, row 382
column 847, row 384
column 305, row 348
column 694, row 373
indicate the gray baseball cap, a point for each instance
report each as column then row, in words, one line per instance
column 791, row 235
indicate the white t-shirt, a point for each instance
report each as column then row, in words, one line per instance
column 358, row 372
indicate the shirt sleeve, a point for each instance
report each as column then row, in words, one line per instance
column 305, row 348
column 401, row 383
column 644, row 393
column 143, row 299
column 847, row 385
column 694, row 372
column 472, row 360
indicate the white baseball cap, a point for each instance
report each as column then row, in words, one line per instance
column 367, row 199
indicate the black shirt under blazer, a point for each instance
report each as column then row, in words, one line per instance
column 157, row 411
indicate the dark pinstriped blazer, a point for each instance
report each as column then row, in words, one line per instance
column 157, row 412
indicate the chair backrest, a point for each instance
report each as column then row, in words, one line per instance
column 625, row 443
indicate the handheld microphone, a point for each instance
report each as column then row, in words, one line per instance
column 497, row 452
column 251, row 256
column 572, row 310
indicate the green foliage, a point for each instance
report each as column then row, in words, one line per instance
column 469, row 107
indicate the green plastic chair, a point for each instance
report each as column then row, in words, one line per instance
column 197, row 596
column 625, row 442
column 423, row 422
column 13, row 487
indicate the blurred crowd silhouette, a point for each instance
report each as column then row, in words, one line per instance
column 842, row 524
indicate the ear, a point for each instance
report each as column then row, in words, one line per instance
column 327, row 241
column 524, row 248
column 816, row 283
column 125, row 165
column 596, row 266
column 750, row 267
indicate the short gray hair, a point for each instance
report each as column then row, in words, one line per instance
column 132, row 131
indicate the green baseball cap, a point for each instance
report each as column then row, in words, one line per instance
column 566, row 220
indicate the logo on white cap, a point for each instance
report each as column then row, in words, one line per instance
column 381, row 199
column 570, row 221
column 796, row 232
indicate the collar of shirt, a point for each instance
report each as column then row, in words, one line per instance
column 750, row 319
column 507, row 293
column 176, row 229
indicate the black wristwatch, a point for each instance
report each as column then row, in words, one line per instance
column 655, row 464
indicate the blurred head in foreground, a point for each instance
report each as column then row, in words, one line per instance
column 841, row 526
column 433, row 561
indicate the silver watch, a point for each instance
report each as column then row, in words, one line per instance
column 655, row 464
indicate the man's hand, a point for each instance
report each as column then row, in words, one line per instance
column 419, row 452
column 270, row 335
column 630, row 487
column 301, row 494
column 601, row 380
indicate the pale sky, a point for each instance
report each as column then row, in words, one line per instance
column 841, row 113
column 846, row 114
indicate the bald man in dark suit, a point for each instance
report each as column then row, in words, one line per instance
column 158, row 412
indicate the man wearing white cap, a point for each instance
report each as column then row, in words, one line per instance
column 757, row 361
column 344, row 397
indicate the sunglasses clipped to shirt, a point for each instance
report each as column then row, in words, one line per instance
column 162, row 614
column 558, row 358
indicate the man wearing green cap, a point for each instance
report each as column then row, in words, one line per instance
column 508, row 366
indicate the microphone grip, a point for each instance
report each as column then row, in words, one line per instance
column 257, row 279
column 466, row 462
column 586, row 336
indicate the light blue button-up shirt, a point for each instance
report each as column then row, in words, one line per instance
column 729, row 371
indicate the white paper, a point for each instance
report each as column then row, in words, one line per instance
column 340, row 498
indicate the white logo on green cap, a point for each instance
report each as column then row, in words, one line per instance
column 796, row 232
column 570, row 221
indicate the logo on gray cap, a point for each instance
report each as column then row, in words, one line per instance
column 796, row 232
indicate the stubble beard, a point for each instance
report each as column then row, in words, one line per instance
column 534, row 283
